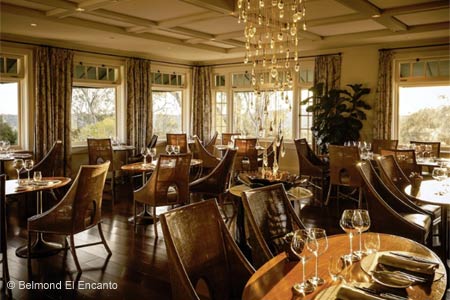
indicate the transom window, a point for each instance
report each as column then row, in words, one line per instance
column 9, row 66
column 168, row 79
column 101, row 73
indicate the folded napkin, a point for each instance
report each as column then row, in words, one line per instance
column 349, row 293
column 407, row 264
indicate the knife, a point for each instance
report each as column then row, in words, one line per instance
column 388, row 296
column 415, row 258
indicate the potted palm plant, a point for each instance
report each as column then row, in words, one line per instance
column 337, row 114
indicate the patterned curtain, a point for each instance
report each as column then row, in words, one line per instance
column 327, row 70
column 201, row 103
column 53, row 81
column 383, row 99
column 139, row 102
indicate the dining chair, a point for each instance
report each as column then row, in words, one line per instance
column 168, row 185
column 80, row 209
column 246, row 155
column 3, row 240
column 435, row 147
column 343, row 172
column 100, row 151
column 378, row 144
column 312, row 167
column 201, row 249
column 209, row 161
column 388, row 214
column 271, row 154
column 406, row 159
column 227, row 137
column 270, row 217
column 217, row 183
column 179, row 139
column 210, row 145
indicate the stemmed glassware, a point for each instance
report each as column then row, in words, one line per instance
column 169, row 149
column 361, row 223
column 144, row 153
column 336, row 266
column 176, row 149
column 29, row 164
column 298, row 246
column 152, row 153
column 6, row 145
column 1, row 146
column 317, row 243
column 371, row 242
column 346, row 224
column 440, row 174
column 18, row 165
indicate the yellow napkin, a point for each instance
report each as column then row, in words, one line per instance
column 349, row 293
column 407, row 264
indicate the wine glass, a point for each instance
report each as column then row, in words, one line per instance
column 298, row 244
column 371, row 242
column 18, row 165
column 152, row 153
column 440, row 174
column 169, row 149
column 347, row 225
column 1, row 146
column 336, row 266
column 317, row 243
column 176, row 149
column 6, row 145
column 361, row 222
column 29, row 164
column 144, row 153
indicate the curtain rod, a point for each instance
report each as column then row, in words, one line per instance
column 95, row 52
column 413, row 47
column 240, row 63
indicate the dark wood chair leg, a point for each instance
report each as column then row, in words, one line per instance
column 102, row 236
column 74, row 253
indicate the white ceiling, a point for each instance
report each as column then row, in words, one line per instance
column 206, row 30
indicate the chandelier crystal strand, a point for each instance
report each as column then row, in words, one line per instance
column 272, row 40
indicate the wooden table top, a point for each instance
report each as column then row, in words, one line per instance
column 432, row 192
column 297, row 193
column 13, row 156
column 274, row 280
column 47, row 183
column 139, row 167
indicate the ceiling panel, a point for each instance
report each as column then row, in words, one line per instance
column 383, row 4
column 102, row 20
column 217, row 26
column 426, row 17
column 348, row 27
column 218, row 44
column 325, row 9
column 155, row 10
column 24, row 3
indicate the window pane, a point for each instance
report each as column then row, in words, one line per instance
column 432, row 69
column 102, row 74
column 418, row 69
column 111, row 74
column 91, row 72
column 11, row 66
column 165, row 79
column 80, row 72
column 158, row 78
column 2, row 64
column 93, row 113
column 305, row 117
column 173, row 79
column 167, row 107
column 404, row 70
column 9, row 111
column 424, row 114
column 444, row 66
column 220, row 112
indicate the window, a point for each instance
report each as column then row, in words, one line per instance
column 168, row 79
column 424, row 69
column 167, row 112
column 424, row 114
column 263, row 115
column 83, row 72
column 9, row 66
column 93, row 113
column 306, row 118
column 219, row 80
column 9, row 112
column 220, row 114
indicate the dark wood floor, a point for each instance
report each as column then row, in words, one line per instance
column 138, row 267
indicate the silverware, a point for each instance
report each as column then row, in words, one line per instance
column 405, row 274
column 414, row 258
column 389, row 296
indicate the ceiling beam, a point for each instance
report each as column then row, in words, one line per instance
column 88, row 5
column 410, row 9
column 188, row 19
column 107, row 14
column 368, row 9
column 220, row 6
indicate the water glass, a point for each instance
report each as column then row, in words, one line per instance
column 37, row 176
column 317, row 244
column 336, row 265
column 298, row 247
column 29, row 164
column 361, row 222
column 371, row 242
column 18, row 165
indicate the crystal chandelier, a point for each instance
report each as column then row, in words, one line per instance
column 272, row 40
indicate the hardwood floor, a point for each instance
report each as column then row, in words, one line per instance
column 138, row 267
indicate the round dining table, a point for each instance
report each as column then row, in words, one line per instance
column 40, row 246
column 275, row 279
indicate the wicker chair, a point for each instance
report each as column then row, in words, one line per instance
column 226, row 137
column 312, row 167
column 343, row 170
column 210, row 145
column 200, row 247
column 3, row 240
column 209, row 161
column 378, row 144
column 79, row 210
column 217, row 182
column 99, row 151
column 388, row 214
column 406, row 159
column 168, row 185
column 270, row 216
column 179, row 139
column 246, row 155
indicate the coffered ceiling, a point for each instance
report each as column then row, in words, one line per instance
column 207, row 30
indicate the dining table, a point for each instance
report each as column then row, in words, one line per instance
column 11, row 156
column 276, row 278
column 40, row 246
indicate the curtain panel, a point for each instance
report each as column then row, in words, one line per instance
column 201, row 115
column 327, row 70
column 139, row 102
column 382, row 128
column 53, row 82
